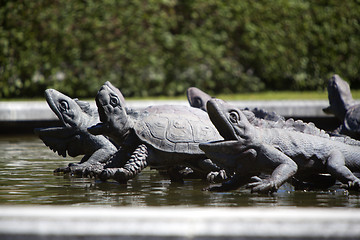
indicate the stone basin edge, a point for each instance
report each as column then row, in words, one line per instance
column 179, row 222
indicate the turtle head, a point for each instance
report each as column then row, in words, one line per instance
column 69, row 111
column 340, row 98
column 112, row 112
column 197, row 98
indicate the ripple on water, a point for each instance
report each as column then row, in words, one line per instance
column 26, row 177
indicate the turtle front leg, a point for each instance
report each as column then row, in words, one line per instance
column 217, row 177
column 136, row 163
column 233, row 161
column 214, row 173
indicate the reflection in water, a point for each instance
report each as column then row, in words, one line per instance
column 26, row 177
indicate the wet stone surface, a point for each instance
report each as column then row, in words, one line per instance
column 26, row 177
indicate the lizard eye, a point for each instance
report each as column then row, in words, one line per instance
column 234, row 117
column 114, row 101
column 64, row 105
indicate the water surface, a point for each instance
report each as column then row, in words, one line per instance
column 26, row 177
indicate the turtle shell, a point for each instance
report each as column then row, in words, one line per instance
column 177, row 129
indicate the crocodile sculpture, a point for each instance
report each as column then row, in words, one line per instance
column 163, row 137
column 344, row 107
column 248, row 151
column 72, row 137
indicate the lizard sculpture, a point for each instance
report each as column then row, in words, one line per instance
column 261, row 118
column 72, row 137
column 249, row 150
column 344, row 107
column 257, row 117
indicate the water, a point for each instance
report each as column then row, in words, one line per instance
column 26, row 177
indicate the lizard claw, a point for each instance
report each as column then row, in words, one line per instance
column 352, row 185
column 93, row 170
column 261, row 185
column 78, row 170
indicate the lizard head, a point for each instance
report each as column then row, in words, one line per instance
column 197, row 98
column 231, row 123
column 112, row 112
column 340, row 98
column 71, row 112
column 74, row 116
column 233, row 126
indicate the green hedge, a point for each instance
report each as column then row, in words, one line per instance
column 150, row 48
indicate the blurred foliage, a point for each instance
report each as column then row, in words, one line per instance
column 151, row 48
